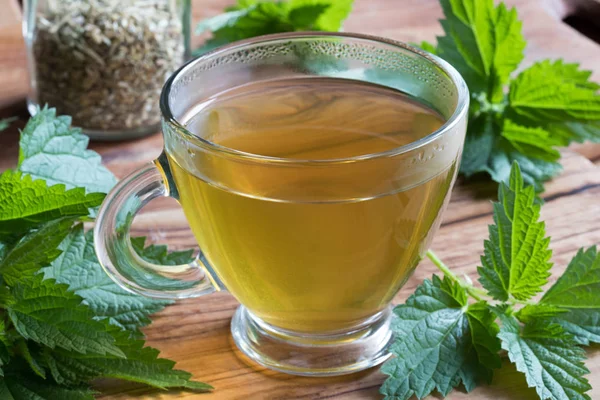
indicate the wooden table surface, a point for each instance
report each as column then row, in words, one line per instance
column 195, row 333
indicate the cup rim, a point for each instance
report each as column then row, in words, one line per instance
column 459, row 111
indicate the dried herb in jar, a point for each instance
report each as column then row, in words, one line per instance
column 104, row 61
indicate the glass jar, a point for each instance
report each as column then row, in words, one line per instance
column 104, row 62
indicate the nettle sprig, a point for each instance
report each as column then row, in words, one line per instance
column 64, row 322
column 526, row 118
column 450, row 332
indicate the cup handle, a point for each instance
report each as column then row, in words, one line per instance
column 116, row 254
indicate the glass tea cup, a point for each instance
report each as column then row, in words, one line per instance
column 313, row 247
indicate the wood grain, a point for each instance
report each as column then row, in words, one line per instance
column 196, row 332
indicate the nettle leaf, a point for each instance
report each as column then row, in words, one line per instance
column 533, row 141
column 554, row 92
column 249, row 19
column 441, row 342
column 479, row 145
column 332, row 13
column 568, row 132
column 26, row 203
column 483, row 42
column 31, row 360
column 533, row 170
column 34, row 251
column 575, row 293
column 516, row 256
column 549, row 358
column 78, row 267
column 429, row 47
column 22, row 386
column 47, row 313
column 140, row 365
column 50, row 149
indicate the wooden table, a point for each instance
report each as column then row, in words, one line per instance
column 195, row 333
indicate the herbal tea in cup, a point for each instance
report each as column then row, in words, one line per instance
column 313, row 170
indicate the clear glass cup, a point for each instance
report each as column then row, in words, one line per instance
column 316, row 319
column 104, row 62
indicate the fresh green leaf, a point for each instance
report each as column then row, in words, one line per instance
column 534, row 171
column 554, row 92
column 516, row 256
column 51, row 150
column 332, row 15
column 5, row 123
column 254, row 18
column 33, row 363
column 579, row 285
column 549, row 358
column 27, row 203
column 431, row 48
column 479, row 145
column 221, row 21
column 533, row 141
column 20, row 386
column 306, row 15
column 436, row 346
column 47, row 313
column 140, row 365
column 568, row 132
column 533, row 312
column 34, row 251
column 483, row 42
column 483, row 334
column 78, row 267
column 575, row 293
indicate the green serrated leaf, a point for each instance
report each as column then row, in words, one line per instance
column 50, row 149
column 579, row 285
column 249, row 19
column 20, row 386
column 332, row 13
column 483, row 42
column 26, row 203
column 33, row 363
column 533, row 312
column 34, row 251
column 483, row 333
column 516, row 256
column 576, row 294
column 554, row 92
column 428, row 47
column 435, row 349
column 78, row 267
column 568, row 132
column 305, row 17
column 140, row 365
column 479, row 145
column 536, row 142
column 47, row 313
column 549, row 358
column 534, row 171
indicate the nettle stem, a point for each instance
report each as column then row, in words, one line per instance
column 474, row 292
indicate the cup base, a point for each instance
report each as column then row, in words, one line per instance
column 313, row 355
